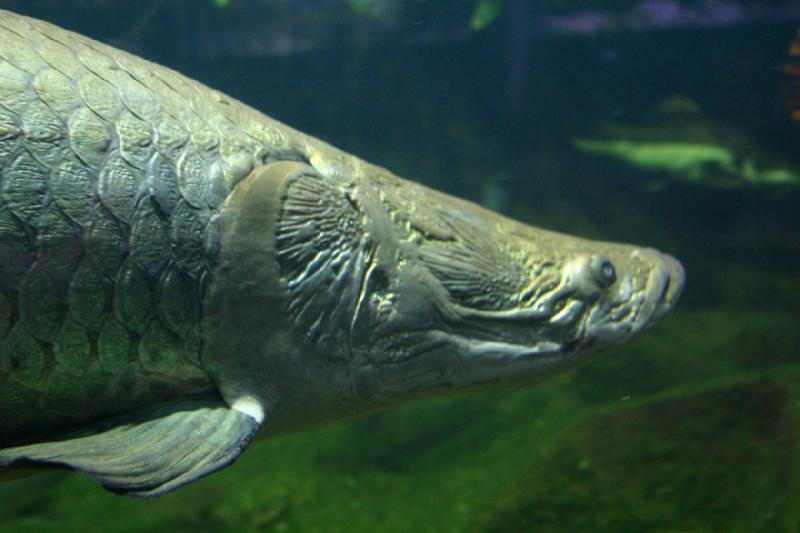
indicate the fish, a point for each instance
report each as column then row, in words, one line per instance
column 680, row 142
column 181, row 275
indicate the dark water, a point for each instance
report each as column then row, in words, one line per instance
column 693, row 427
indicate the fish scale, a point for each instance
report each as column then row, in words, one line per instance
column 111, row 169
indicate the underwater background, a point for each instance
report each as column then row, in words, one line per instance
column 668, row 123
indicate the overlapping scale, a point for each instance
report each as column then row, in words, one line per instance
column 112, row 170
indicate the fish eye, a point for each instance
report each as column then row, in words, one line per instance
column 603, row 271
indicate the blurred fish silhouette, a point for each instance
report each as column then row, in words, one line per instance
column 679, row 141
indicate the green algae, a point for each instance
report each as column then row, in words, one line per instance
column 717, row 460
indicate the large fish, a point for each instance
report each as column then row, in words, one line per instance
column 178, row 271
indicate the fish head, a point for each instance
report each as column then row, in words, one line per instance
column 362, row 289
column 455, row 296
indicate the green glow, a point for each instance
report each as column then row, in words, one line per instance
column 485, row 12
column 675, row 157
column 366, row 7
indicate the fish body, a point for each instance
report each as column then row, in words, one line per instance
column 114, row 172
column 178, row 270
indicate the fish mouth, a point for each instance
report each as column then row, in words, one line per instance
column 642, row 310
column 672, row 280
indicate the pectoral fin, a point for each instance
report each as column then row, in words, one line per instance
column 150, row 452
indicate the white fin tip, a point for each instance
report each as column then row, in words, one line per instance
column 249, row 406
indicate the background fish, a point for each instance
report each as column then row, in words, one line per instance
column 679, row 140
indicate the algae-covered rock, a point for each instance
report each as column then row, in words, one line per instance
column 713, row 461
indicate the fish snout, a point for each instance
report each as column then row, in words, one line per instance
column 673, row 285
column 666, row 282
